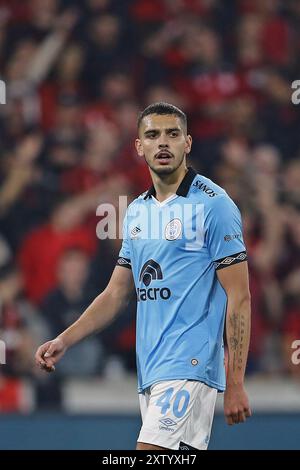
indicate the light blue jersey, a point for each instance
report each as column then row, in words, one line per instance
column 174, row 249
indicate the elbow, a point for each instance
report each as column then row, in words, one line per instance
column 246, row 297
column 240, row 299
column 119, row 296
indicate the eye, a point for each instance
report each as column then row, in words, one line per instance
column 174, row 133
column 151, row 135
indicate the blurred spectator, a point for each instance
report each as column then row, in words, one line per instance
column 107, row 165
column 107, row 49
column 21, row 204
column 18, row 321
column 41, row 249
column 21, row 329
column 65, row 304
column 5, row 253
column 30, row 62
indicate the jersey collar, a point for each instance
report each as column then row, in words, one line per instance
column 182, row 189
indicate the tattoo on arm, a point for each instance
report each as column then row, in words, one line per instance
column 237, row 339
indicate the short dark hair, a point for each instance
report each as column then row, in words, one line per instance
column 162, row 108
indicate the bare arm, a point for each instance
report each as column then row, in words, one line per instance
column 51, row 47
column 99, row 314
column 234, row 280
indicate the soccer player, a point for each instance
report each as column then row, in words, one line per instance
column 183, row 252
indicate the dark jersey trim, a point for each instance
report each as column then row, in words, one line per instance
column 182, row 189
column 230, row 260
column 124, row 262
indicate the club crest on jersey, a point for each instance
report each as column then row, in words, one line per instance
column 173, row 230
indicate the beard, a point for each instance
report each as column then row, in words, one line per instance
column 162, row 170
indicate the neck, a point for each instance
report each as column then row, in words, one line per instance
column 166, row 185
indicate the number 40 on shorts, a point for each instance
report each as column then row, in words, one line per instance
column 180, row 402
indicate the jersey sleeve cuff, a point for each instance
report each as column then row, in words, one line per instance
column 230, row 260
column 124, row 262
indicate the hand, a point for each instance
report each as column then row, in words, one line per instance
column 28, row 150
column 236, row 404
column 49, row 354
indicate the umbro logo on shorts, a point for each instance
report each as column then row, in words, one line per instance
column 167, row 424
column 184, row 446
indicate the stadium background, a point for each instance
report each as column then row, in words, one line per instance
column 77, row 73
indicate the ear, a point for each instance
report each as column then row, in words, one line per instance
column 139, row 147
column 188, row 144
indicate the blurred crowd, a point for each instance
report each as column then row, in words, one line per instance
column 77, row 73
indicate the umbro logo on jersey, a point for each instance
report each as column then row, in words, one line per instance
column 135, row 231
column 229, row 260
column 151, row 271
column 124, row 262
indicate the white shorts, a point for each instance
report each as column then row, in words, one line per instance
column 177, row 414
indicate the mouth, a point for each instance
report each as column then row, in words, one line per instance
column 163, row 157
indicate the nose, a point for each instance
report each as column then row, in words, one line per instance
column 163, row 142
column 163, row 146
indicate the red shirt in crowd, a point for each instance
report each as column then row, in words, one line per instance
column 40, row 252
